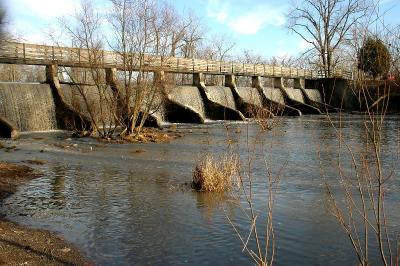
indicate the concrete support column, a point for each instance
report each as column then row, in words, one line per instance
column 299, row 83
column 278, row 83
column 159, row 77
column 198, row 79
column 52, row 74
column 230, row 81
column 111, row 76
column 112, row 81
column 256, row 82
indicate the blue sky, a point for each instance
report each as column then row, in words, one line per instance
column 257, row 25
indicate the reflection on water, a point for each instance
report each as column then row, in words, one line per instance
column 123, row 208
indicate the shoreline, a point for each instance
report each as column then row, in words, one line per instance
column 21, row 245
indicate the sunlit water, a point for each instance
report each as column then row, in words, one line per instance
column 127, row 204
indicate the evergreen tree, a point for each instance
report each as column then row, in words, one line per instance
column 374, row 58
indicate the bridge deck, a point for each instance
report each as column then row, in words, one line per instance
column 32, row 54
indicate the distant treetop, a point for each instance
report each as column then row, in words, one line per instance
column 374, row 58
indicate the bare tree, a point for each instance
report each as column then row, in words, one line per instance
column 217, row 48
column 192, row 38
column 84, row 31
column 137, row 32
column 326, row 25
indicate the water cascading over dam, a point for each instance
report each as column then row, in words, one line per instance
column 185, row 104
column 28, row 106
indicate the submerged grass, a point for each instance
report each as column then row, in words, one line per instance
column 216, row 174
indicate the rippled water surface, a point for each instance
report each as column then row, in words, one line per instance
column 127, row 204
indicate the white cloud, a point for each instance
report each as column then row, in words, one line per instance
column 30, row 19
column 44, row 9
column 24, row 31
column 242, row 20
column 253, row 21
column 218, row 10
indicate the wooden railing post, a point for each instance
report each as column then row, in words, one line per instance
column 23, row 51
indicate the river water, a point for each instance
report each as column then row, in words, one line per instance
column 128, row 204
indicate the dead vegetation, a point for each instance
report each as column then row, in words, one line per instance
column 216, row 174
column 148, row 135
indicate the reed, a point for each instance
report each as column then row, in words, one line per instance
column 216, row 174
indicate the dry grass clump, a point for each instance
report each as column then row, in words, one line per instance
column 216, row 174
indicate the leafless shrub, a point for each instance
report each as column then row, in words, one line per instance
column 364, row 177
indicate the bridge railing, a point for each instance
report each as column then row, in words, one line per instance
column 22, row 53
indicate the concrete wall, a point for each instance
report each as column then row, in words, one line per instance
column 339, row 93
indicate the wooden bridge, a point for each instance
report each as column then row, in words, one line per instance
column 32, row 54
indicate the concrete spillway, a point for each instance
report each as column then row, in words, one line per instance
column 29, row 107
column 43, row 107
column 295, row 95
column 222, row 96
column 314, row 95
column 185, row 104
column 91, row 102
column 296, row 99
column 250, row 95
column 100, row 103
column 220, row 103
column 250, row 102
column 274, row 100
column 274, row 95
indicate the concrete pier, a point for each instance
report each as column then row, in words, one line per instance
column 295, row 98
